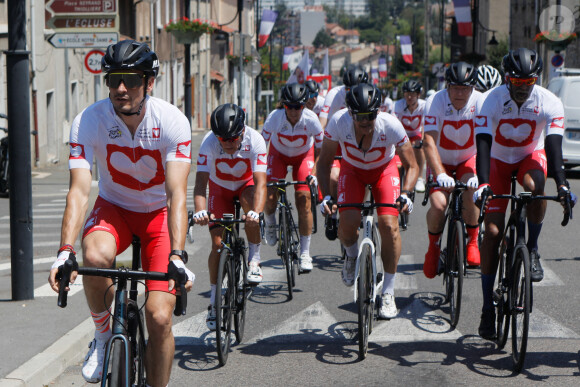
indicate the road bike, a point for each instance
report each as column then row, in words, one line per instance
column 4, row 171
column 124, row 363
column 288, row 238
column 404, row 216
column 453, row 260
column 513, row 292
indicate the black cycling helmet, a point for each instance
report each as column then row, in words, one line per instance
column 294, row 93
column 312, row 86
column 522, row 63
column 412, row 86
column 354, row 76
column 227, row 121
column 363, row 98
column 488, row 77
column 130, row 55
column 461, row 73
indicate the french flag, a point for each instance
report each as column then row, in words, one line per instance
column 382, row 67
column 287, row 52
column 268, row 20
column 463, row 17
column 375, row 75
column 406, row 48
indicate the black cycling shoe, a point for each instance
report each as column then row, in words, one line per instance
column 331, row 229
column 537, row 270
column 487, row 325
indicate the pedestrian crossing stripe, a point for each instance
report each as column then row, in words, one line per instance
column 46, row 291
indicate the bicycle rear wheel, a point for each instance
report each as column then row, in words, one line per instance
column 224, row 305
column 364, row 294
column 241, row 263
column 500, row 295
column 454, row 269
column 520, row 294
column 285, row 249
column 116, row 371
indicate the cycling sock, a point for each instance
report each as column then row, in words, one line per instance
column 270, row 218
column 212, row 291
column 533, row 235
column 472, row 233
column 102, row 326
column 253, row 252
column 304, row 244
column 389, row 283
column 351, row 251
column 434, row 238
column 487, row 281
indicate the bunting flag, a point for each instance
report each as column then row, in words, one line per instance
column 375, row 75
column 406, row 48
column 463, row 17
column 382, row 67
column 287, row 52
column 268, row 20
column 301, row 71
column 325, row 69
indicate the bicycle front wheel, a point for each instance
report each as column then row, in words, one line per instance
column 520, row 295
column 286, row 249
column 224, row 305
column 454, row 269
column 364, row 294
column 500, row 295
column 137, row 344
column 116, row 371
column 241, row 263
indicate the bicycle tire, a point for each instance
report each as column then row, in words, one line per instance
column 241, row 263
column 294, row 245
column 364, row 293
column 500, row 296
column 135, row 332
column 285, row 249
column 454, row 270
column 520, row 294
column 116, row 376
column 224, row 304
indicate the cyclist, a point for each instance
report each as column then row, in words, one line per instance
column 142, row 146
column 450, row 148
column 315, row 102
column 409, row 110
column 295, row 137
column 232, row 159
column 488, row 77
column 513, row 124
column 387, row 104
column 368, row 139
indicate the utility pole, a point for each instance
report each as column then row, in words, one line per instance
column 241, row 61
column 17, row 66
column 427, row 40
column 187, row 70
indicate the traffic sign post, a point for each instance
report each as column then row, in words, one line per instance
column 83, row 40
column 82, row 15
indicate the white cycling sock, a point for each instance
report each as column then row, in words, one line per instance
column 212, row 291
column 102, row 325
column 304, row 244
column 253, row 252
column 351, row 251
column 270, row 218
column 389, row 283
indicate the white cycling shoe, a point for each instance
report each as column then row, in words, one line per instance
column 305, row 262
column 420, row 185
column 93, row 365
column 210, row 320
column 271, row 234
column 254, row 273
column 348, row 271
column 388, row 308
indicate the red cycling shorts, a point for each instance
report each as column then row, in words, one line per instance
column 500, row 176
column 301, row 166
column 221, row 200
column 150, row 227
column 385, row 184
column 461, row 169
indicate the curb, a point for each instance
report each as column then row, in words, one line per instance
column 52, row 362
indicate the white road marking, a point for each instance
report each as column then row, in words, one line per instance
column 40, row 175
column 406, row 279
column 46, row 291
column 550, row 278
column 57, row 216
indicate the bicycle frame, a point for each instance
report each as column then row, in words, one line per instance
column 368, row 226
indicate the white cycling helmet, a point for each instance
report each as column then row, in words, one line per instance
column 488, row 77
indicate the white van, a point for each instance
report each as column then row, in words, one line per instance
column 568, row 89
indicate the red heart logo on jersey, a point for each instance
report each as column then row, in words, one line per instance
column 233, row 169
column 122, row 162
column 456, row 135
column 411, row 123
column 77, row 151
column 371, row 156
column 515, row 132
column 292, row 141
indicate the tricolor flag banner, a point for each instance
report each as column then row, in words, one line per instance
column 301, row 71
column 287, row 52
column 268, row 20
column 406, row 48
column 463, row 17
column 325, row 69
column 375, row 75
column 382, row 67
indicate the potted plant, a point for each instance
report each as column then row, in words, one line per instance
column 188, row 31
column 557, row 41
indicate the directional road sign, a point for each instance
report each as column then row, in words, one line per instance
column 82, row 15
column 83, row 40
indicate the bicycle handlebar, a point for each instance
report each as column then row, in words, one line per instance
column 459, row 185
column 313, row 195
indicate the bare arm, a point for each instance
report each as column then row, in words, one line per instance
column 324, row 164
column 432, row 154
column 176, row 189
column 410, row 163
column 260, row 191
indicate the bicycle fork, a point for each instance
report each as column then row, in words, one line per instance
column 119, row 332
column 367, row 239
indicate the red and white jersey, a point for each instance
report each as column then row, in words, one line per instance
column 412, row 121
column 388, row 134
column 319, row 105
column 387, row 105
column 334, row 101
column 456, row 142
column 517, row 132
column 131, row 169
column 292, row 140
column 232, row 171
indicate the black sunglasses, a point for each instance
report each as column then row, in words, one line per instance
column 294, row 106
column 370, row 116
column 130, row 80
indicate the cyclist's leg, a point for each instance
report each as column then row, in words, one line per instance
column 301, row 168
column 277, row 169
column 252, row 233
column 390, row 254
column 435, row 224
column 420, row 157
column 466, row 171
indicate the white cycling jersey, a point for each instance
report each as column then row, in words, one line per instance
column 292, row 141
column 334, row 101
column 131, row 169
column 319, row 105
column 388, row 134
column 232, row 171
column 518, row 132
column 387, row 105
column 412, row 121
column 456, row 142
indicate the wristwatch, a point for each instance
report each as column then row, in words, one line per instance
column 181, row 254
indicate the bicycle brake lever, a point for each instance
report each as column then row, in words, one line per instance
column 63, row 276
column 181, row 300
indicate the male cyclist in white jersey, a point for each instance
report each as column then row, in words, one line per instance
column 387, row 104
column 368, row 139
column 450, row 148
column 143, row 150
column 513, row 125
column 295, row 137
column 232, row 160
column 315, row 101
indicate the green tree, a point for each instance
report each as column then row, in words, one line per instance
column 495, row 54
column 323, row 39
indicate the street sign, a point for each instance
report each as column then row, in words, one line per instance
column 81, row 6
column 97, row 22
column 557, row 60
column 93, row 61
column 82, row 15
column 83, row 40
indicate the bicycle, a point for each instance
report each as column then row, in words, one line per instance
column 453, row 255
column 124, row 363
column 404, row 216
column 288, row 238
column 513, row 292
column 4, row 159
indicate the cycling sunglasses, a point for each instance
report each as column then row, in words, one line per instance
column 360, row 117
column 130, row 80
column 523, row 81
column 231, row 139
column 313, row 95
column 294, row 106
